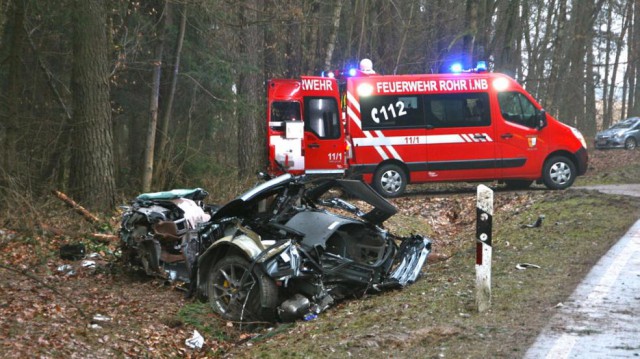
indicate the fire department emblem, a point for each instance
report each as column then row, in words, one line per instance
column 532, row 141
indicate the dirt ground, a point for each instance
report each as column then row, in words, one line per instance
column 109, row 309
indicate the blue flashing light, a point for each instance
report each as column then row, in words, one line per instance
column 353, row 72
column 456, row 68
column 482, row 66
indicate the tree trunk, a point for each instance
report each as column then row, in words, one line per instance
column 505, row 43
column 92, row 172
column 636, row 61
column 10, row 159
column 616, row 63
column 251, row 146
column 311, row 25
column 468, row 40
column 156, row 64
column 164, row 153
column 406, row 26
column 337, row 10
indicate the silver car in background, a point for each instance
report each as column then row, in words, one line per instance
column 624, row 134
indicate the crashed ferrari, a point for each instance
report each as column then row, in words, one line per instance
column 287, row 249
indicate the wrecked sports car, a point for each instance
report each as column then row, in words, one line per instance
column 290, row 248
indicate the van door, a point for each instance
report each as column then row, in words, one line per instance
column 520, row 144
column 324, row 146
column 460, row 137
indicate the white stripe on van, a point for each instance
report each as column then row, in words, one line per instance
column 415, row 140
column 391, row 150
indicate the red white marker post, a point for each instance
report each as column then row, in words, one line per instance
column 484, row 219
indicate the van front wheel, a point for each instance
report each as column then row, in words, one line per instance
column 390, row 180
column 559, row 172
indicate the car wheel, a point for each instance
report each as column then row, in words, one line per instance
column 239, row 293
column 518, row 184
column 390, row 180
column 630, row 143
column 559, row 172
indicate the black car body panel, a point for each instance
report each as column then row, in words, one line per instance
column 290, row 247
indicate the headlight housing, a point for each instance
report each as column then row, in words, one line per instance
column 579, row 136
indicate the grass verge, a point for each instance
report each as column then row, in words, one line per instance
column 436, row 317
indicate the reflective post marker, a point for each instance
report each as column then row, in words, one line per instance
column 484, row 213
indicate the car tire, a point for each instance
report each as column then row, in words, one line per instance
column 390, row 180
column 630, row 143
column 240, row 293
column 518, row 184
column 558, row 172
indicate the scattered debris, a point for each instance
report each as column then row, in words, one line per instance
column 66, row 269
column 88, row 264
column 559, row 305
column 101, row 318
column 535, row 224
column 196, row 341
column 522, row 266
column 72, row 252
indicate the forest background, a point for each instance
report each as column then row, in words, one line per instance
column 104, row 99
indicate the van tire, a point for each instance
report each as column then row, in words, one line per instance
column 558, row 172
column 390, row 180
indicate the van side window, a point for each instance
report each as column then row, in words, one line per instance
column 283, row 111
column 388, row 112
column 458, row 110
column 515, row 107
column 322, row 117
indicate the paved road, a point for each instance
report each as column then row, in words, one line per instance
column 601, row 319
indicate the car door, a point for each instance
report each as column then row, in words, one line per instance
column 520, row 146
column 460, row 137
column 324, row 146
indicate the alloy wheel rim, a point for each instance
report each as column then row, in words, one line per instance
column 560, row 173
column 391, row 181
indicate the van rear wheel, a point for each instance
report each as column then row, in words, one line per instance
column 390, row 180
column 558, row 172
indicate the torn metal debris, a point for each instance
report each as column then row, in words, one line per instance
column 285, row 250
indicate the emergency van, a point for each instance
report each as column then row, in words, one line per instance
column 395, row 130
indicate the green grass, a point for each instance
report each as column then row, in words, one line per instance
column 437, row 314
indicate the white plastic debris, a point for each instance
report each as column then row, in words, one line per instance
column 101, row 318
column 65, row 268
column 196, row 341
column 522, row 266
column 88, row 264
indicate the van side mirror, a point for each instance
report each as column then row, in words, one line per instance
column 541, row 119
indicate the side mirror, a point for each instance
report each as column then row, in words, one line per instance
column 541, row 119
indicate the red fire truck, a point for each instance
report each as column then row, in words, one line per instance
column 400, row 129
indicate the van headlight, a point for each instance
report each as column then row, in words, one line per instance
column 579, row 136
